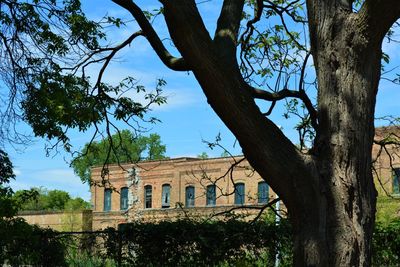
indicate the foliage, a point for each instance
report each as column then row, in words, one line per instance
column 203, row 155
column 21, row 243
column 386, row 244
column 43, row 199
column 387, row 209
column 122, row 147
column 229, row 243
column 25, row 244
column 78, row 259
column 76, row 204
column 46, row 48
column 190, row 243
column 7, row 205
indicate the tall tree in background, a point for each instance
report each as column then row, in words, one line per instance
column 262, row 55
column 123, row 148
column 44, row 199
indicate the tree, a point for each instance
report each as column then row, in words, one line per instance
column 76, row 204
column 203, row 155
column 43, row 199
column 124, row 147
column 7, row 206
column 328, row 189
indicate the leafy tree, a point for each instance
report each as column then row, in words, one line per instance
column 203, row 155
column 56, row 199
column 7, row 205
column 43, row 199
column 122, row 147
column 259, row 55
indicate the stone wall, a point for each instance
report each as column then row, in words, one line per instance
column 69, row 221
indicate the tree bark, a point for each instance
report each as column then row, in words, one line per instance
column 348, row 72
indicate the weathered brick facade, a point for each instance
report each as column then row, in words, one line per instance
column 180, row 173
column 386, row 161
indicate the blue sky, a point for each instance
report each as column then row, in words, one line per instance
column 186, row 120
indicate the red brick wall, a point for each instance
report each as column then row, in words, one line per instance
column 178, row 173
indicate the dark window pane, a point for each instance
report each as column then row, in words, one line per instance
column 239, row 194
column 396, row 181
column 124, row 198
column 210, row 194
column 189, row 196
column 166, row 193
column 147, row 196
column 263, row 192
column 107, row 199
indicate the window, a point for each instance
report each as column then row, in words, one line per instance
column 124, row 198
column 263, row 192
column 107, row 199
column 166, row 194
column 239, row 194
column 210, row 195
column 396, row 181
column 147, row 196
column 189, row 202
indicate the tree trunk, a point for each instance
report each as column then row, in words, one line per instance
column 339, row 232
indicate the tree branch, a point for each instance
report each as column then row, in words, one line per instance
column 284, row 93
column 267, row 149
column 112, row 54
column 170, row 61
column 226, row 34
column 377, row 16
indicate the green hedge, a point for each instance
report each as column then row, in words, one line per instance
column 237, row 243
column 25, row 244
column 188, row 243
column 180, row 243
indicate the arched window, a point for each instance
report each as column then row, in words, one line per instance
column 107, row 199
column 166, row 195
column 148, row 196
column 189, row 193
column 124, row 198
column 239, row 194
column 263, row 194
column 210, row 195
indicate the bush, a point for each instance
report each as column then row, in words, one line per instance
column 188, row 243
column 24, row 244
column 386, row 244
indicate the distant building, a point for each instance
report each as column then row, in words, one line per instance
column 168, row 189
column 386, row 161
column 175, row 188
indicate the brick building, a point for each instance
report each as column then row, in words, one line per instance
column 156, row 190
column 168, row 189
column 386, row 161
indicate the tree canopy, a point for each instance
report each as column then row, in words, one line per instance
column 258, row 58
column 37, row 199
column 122, row 147
column 7, row 206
